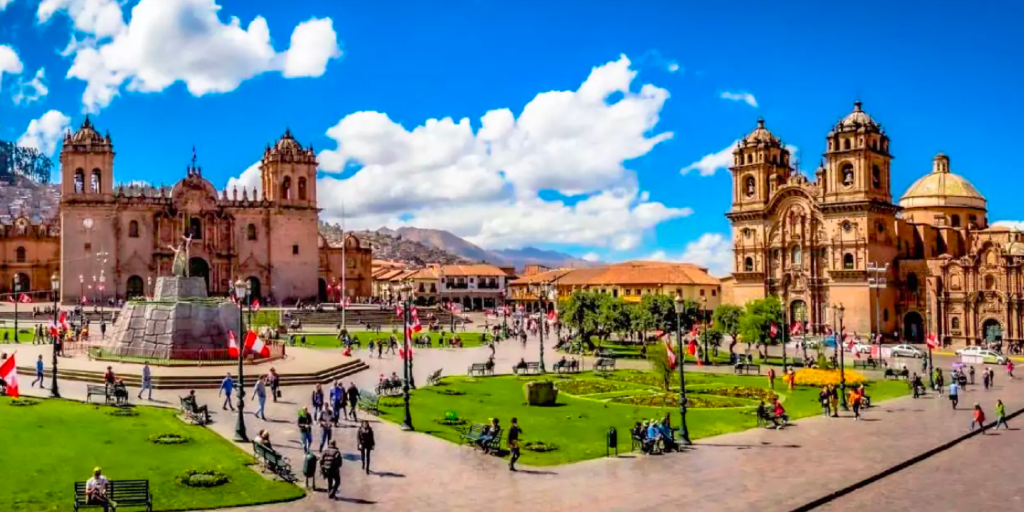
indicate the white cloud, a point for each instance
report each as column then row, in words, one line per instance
column 44, row 133
column 711, row 250
column 712, row 162
column 1012, row 224
column 485, row 186
column 4, row 4
column 249, row 179
column 9, row 62
column 672, row 67
column 30, row 91
column 591, row 256
column 745, row 97
column 169, row 41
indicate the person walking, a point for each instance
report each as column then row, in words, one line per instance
column 330, row 466
column 338, row 401
column 984, row 379
column 326, row 422
column 978, row 419
column 771, row 378
column 1009, row 368
column 833, row 400
column 513, row 444
column 855, row 398
column 380, row 349
column 353, row 400
column 147, row 381
column 226, row 387
column 971, row 374
column 259, row 392
column 305, row 423
column 365, row 443
column 991, row 378
column 275, row 383
column 1001, row 415
column 39, row 373
column 940, row 381
column 954, row 393
column 824, row 397
column 318, row 402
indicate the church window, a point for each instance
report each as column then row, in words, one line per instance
column 885, row 315
column 79, row 181
column 912, row 283
column 972, row 220
column 876, row 177
column 955, row 323
column 94, row 182
column 750, row 158
column 848, row 261
column 847, row 175
column 990, row 282
column 286, row 188
column 847, row 226
column 19, row 255
column 295, row 249
column 750, row 186
column 195, row 228
column 250, row 232
column 846, row 144
column 302, row 189
column 133, row 229
column 748, row 264
column 954, row 220
column 747, row 232
column 798, row 255
column 880, row 227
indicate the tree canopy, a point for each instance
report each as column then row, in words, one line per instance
column 757, row 318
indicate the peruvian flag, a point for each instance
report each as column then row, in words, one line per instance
column 507, row 311
column 398, row 310
column 53, row 330
column 255, row 305
column 670, row 352
column 254, row 343
column 25, row 299
column 346, row 302
column 932, row 341
column 63, row 320
column 9, row 373
column 232, row 345
column 796, row 329
column 552, row 315
column 416, row 326
column 773, row 330
column 10, row 298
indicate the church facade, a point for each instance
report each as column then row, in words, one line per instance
column 121, row 238
column 832, row 240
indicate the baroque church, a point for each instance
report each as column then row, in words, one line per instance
column 830, row 241
column 113, row 240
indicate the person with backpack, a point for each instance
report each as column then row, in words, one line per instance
column 330, row 467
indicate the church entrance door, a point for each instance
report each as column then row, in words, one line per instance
column 993, row 332
column 913, row 327
column 198, row 267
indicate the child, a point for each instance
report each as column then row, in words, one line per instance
column 979, row 419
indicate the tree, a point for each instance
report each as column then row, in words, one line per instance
column 659, row 363
column 641, row 320
column 757, row 318
column 662, row 310
column 580, row 312
column 727, row 321
column 613, row 315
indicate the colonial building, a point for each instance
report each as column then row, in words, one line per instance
column 473, row 287
column 819, row 243
column 124, row 236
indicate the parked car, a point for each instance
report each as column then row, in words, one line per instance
column 987, row 355
column 907, row 351
column 861, row 348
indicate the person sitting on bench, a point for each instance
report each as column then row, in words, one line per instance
column 120, row 392
column 762, row 414
column 521, row 365
column 96, row 490
column 488, row 435
column 203, row 410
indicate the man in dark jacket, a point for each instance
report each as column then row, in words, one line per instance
column 330, row 466
column 353, row 399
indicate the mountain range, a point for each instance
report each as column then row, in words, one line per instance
column 458, row 246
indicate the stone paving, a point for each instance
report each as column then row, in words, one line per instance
column 776, row 470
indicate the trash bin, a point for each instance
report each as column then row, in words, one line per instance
column 309, row 469
column 613, row 442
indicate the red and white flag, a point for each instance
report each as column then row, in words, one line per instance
column 232, row 345
column 9, row 373
column 63, row 320
column 346, row 302
column 254, row 344
column 53, row 330
column 398, row 310
column 773, row 330
column 796, row 329
column 507, row 311
column 553, row 316
column 85, row 300
column 932, row 340
column 25, row 299
column 255, row 305
column 670, row 352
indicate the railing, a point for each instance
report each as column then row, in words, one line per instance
column 174, row 357
column 458, row 286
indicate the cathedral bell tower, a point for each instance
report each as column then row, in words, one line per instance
column 87, row 165
column 857, row 160
column 760, row 166
column 289, row 173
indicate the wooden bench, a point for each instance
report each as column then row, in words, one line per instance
column 746, row 368
column 270, row 460
column 191, row 411
column 604, row 364
column 572, row 366
column 124, row 493
column 106, row 392
column 369, row 402
column 480, row 369
column 865, row 363
column 531, row 367
column 475, row 433
column 434, row 378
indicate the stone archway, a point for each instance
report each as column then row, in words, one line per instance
column 198, row 267
column 321, row 290
column 913, row 327
column 992, row 331
column 797, row 311
column 135, row 288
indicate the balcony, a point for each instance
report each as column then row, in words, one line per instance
column 488, row 286
column 458, row 286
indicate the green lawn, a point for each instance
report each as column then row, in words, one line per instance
column 580, row 421
column 320, row 340
column 25, row 334
column 49, row 446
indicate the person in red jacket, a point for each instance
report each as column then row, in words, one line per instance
column 978, row 419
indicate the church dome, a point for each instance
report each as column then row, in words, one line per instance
column 857, row 120
column 761, row 135
column 288, row 143
column 86, row 134
column 942, row 188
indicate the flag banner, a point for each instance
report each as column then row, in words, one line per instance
column 671, row 353
column 773, row 330
column 25, row 299
column 9, row 373
column 932, row 340
column 796, row 329
column 232, row 345
column 255, row 305
column 254, row 344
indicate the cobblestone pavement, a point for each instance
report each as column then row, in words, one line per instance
column 777, row 470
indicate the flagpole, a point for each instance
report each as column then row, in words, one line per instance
column 344, row 269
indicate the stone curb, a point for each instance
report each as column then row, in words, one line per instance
column 839, row 493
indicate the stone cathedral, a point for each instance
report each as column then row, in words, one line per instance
column 813, row 242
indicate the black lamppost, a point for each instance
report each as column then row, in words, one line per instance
column 504, row 316
column 406, row 295
column 684, row 434
column 241, row 293
column 704, row 356
column 55, row 286
column 546, row 292
column 17, row 299
column 842, row 365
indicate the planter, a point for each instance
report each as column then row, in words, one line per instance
column 540, row 393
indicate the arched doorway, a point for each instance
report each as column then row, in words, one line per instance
column 913, row 327
column 321, row 290
column 198, row 267
column 255, row 293
column 24, row 284
column 135, row 289
column 992, row 331
column 797, row 311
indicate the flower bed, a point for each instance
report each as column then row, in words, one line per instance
column 168, row 439
column 539, row 446
column 123, row 412
column 202, row 478
column 819, row 378
column 749, row 393
column 583, row 387
column 23, row 402
column 693, row 401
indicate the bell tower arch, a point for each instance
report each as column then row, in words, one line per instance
column 87, row 165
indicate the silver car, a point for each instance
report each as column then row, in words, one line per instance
column 907, row 351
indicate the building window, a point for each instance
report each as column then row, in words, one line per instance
column 79, row 181
column 702, row 292
column 955, row 323
column 19, row 255
column 973, row 220
column 302, row 189
column 627, row 292
column 848, row 261
column 846, row 144
column 880, row 227
column 295, row 249
column 798, row 255
column 748, row 264
column 286, row 188
column 848, row 174
column 94, row 183
column 990, row 282
column 615, row 292
column 250, row 232
column 195, row 228
column 954, row 220
column 885, row 315
column 750, row 184
column 876, row 177
column 912, row 283
column 714, row 293
column 133, row 229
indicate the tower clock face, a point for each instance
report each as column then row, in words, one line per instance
column 87, row 223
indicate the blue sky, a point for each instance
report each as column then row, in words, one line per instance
column 569, row 174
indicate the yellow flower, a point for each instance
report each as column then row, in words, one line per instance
column 819, row 378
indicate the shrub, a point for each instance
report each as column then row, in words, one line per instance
column 23, row 402
column 123, row 412
column 449, row 392
column 541, row 392
column 169, row 439
column 763, row 394
column 819, row 378
column 202, row 478
column 539, row 446
column 693, row 401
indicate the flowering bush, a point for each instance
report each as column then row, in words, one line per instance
column 819, row 378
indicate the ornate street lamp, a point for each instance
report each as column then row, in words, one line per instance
column 684, row 434
column 546, row 292
column 241, row 291
column 17, row 299
column 55, row 286
column 704, row 356
column 877, row 282
column 406, row 291
column 842, row 365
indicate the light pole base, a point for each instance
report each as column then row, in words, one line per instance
column 407, row 427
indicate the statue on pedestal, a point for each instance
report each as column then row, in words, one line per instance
column 180, row 266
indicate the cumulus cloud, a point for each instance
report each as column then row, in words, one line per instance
column 31, row 91
column 4, row 4
column 9, row 62
column 250, row 179
column 169, row 41
column 591, row 257
column 46, row 132
column 709, row 164
column 1012, row 224
column 745, row 97
column 711, row 250
column 486, row 185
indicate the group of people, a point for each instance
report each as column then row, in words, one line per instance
column 655, row 436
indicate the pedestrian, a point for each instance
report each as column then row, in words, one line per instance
column 326, row 425
column 305, row 423
column 338, row 401
column 39, row 373
column 971, row 373
column 365, row 443
column 259, row 392
column 1009, row 368
column 275, row 383
column 226, row 387
column 353, row 399
column 978, row 419
column 771, row 378
column 147, row 381
column 1001, row 415
column 984, row 379
column 513, row 444
column 954, row 393
column 370, row 346
column 318, row 402
column 380, row 349
column 791, row 379
column 823, row 398
column 330, row 466
column 940, row 382
column 833, row 401
column 991, row 378
column 855, row 403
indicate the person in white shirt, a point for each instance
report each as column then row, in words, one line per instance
column 96, row 490
column 147, row 381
